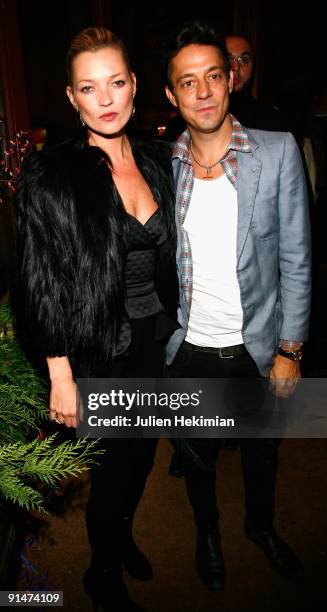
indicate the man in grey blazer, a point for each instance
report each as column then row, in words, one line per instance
column 244, row 270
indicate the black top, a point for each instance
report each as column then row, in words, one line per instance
column 143, row 241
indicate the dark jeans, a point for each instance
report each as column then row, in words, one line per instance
column 117, row 484
column 259, row 456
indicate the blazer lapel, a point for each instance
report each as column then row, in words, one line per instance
column 248, row 174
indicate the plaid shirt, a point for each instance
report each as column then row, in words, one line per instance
column 239, row 142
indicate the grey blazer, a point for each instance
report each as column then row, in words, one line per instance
column 273, row 247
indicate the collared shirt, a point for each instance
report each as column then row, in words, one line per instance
column 181, row 150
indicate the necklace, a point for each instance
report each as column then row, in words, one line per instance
column 207, row 168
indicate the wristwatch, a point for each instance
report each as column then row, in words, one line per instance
column 293, row 355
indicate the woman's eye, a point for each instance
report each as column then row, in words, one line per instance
column 119, row 83
column 86, row 89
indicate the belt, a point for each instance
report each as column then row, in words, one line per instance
column 225, row 351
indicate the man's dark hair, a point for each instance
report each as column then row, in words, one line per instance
column 193, row 33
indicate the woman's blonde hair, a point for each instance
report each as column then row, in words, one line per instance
column 93, row 39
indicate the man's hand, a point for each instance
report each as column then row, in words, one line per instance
column 284, row 376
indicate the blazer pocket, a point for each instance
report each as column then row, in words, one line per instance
column 265, row 219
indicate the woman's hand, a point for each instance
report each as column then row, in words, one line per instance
column 63, row 394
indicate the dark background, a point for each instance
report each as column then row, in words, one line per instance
column 289, row 40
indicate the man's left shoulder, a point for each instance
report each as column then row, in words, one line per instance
column 274, row 146
column 268, row 138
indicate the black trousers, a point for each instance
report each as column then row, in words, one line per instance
column 117, row 484
column 259, row 456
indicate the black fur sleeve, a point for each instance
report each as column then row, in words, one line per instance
column 44, row 246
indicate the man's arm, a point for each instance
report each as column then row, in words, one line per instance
column 294, row 265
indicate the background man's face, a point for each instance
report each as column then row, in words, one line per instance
column 238, row 47
column 200, row 87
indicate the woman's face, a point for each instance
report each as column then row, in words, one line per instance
column 102, row 90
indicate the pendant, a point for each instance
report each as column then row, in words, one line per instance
column 209, row 175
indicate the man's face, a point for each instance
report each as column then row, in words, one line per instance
column 201, row 87
column 241, row 58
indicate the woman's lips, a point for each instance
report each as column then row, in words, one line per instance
column 108, row 116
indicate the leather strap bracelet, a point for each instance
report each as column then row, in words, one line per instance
column 293, row 355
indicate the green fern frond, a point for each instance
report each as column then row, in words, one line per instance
column 42, row 461
column 14, row 490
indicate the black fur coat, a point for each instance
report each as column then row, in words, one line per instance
column 68, row 294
